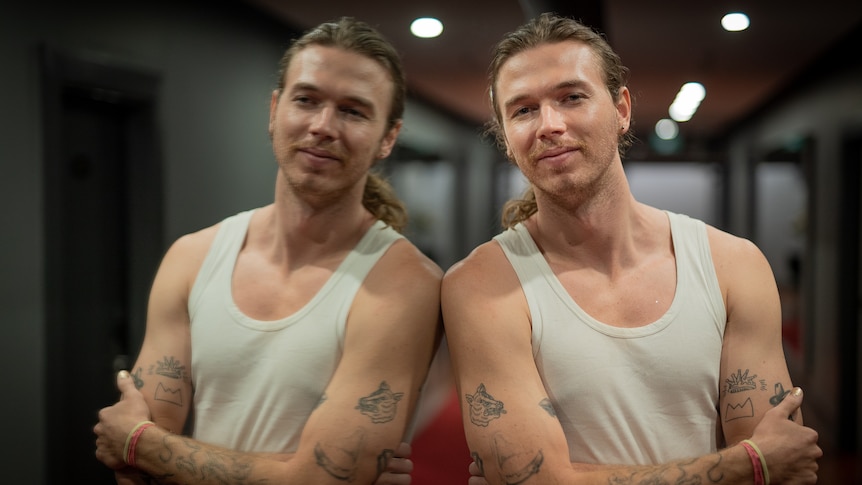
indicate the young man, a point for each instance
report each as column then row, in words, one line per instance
column 600, row 340
column 303, row 327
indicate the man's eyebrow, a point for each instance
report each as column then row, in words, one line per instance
column 356, row 100
column 568, row 84
column 303, row 87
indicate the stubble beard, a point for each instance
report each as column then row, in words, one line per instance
column 576, row 186
column 324, row 187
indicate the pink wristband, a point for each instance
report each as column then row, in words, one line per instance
column 133, row 440
column 755, row 463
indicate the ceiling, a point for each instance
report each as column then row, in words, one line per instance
column 665, row 43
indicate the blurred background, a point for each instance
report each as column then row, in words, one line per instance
column 127, row 124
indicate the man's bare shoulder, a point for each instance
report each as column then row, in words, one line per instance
column 405, row 268
column 729, row 249
column 740, row 266
column 195, row 243
column 484, row 277
column 486, row 262
column 186, row 255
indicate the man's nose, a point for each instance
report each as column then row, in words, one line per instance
column 551, row 121
column 323, row 121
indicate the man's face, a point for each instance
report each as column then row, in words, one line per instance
column 329, row 124
column 560, row 123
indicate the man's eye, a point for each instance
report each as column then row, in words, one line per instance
column 520, row 111
column 353, row 112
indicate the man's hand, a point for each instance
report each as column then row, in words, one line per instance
column 399, row 468
column 790, row 450
column 116, row 421
column 476, row 477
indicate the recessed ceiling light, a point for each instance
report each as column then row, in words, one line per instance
column 426, row 27
column 734, row 22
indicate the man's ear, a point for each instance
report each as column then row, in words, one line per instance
column 624, row 109
column 389, row 140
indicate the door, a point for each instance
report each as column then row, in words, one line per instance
column 103, row 241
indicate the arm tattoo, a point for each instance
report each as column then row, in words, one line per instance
column 381, row 404
column 660, row 476
column 171, row 395
column 341, row 461
column 483, row 407
column 779, row 396
column 548, row 407
column 383, row 460
column 169, row 367
column 479, row 463
column 516, row 466
column 714, row 474
column 188, row 457
column 740, row 382
column 736, row 411
column 139, row 383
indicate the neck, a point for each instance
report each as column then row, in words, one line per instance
column 300, row 229
column 606, row 231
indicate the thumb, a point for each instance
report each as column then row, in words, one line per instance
column 125, row 383
column 791, row 403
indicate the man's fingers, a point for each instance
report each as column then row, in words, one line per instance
column 125, row 383
column 400, row 465
column 789, row 406
column 403, row 451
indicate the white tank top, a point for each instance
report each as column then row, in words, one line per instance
column 642, row 395
column 256, row 382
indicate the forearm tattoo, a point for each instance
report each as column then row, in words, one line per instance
column 744, row 382
column 671, row 474
column 188, row 458
column 380, row 405
column 483, row 407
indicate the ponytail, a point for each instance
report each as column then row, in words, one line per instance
column 519, row 210
column 380, row 199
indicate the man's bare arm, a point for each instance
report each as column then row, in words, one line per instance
column 511, row 433
column 352, row 435
column 753, row 375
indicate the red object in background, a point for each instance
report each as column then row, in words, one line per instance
column 440, row 454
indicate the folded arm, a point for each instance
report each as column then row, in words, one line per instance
column 753, row 375
column 391, row 334
column 511, row 433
